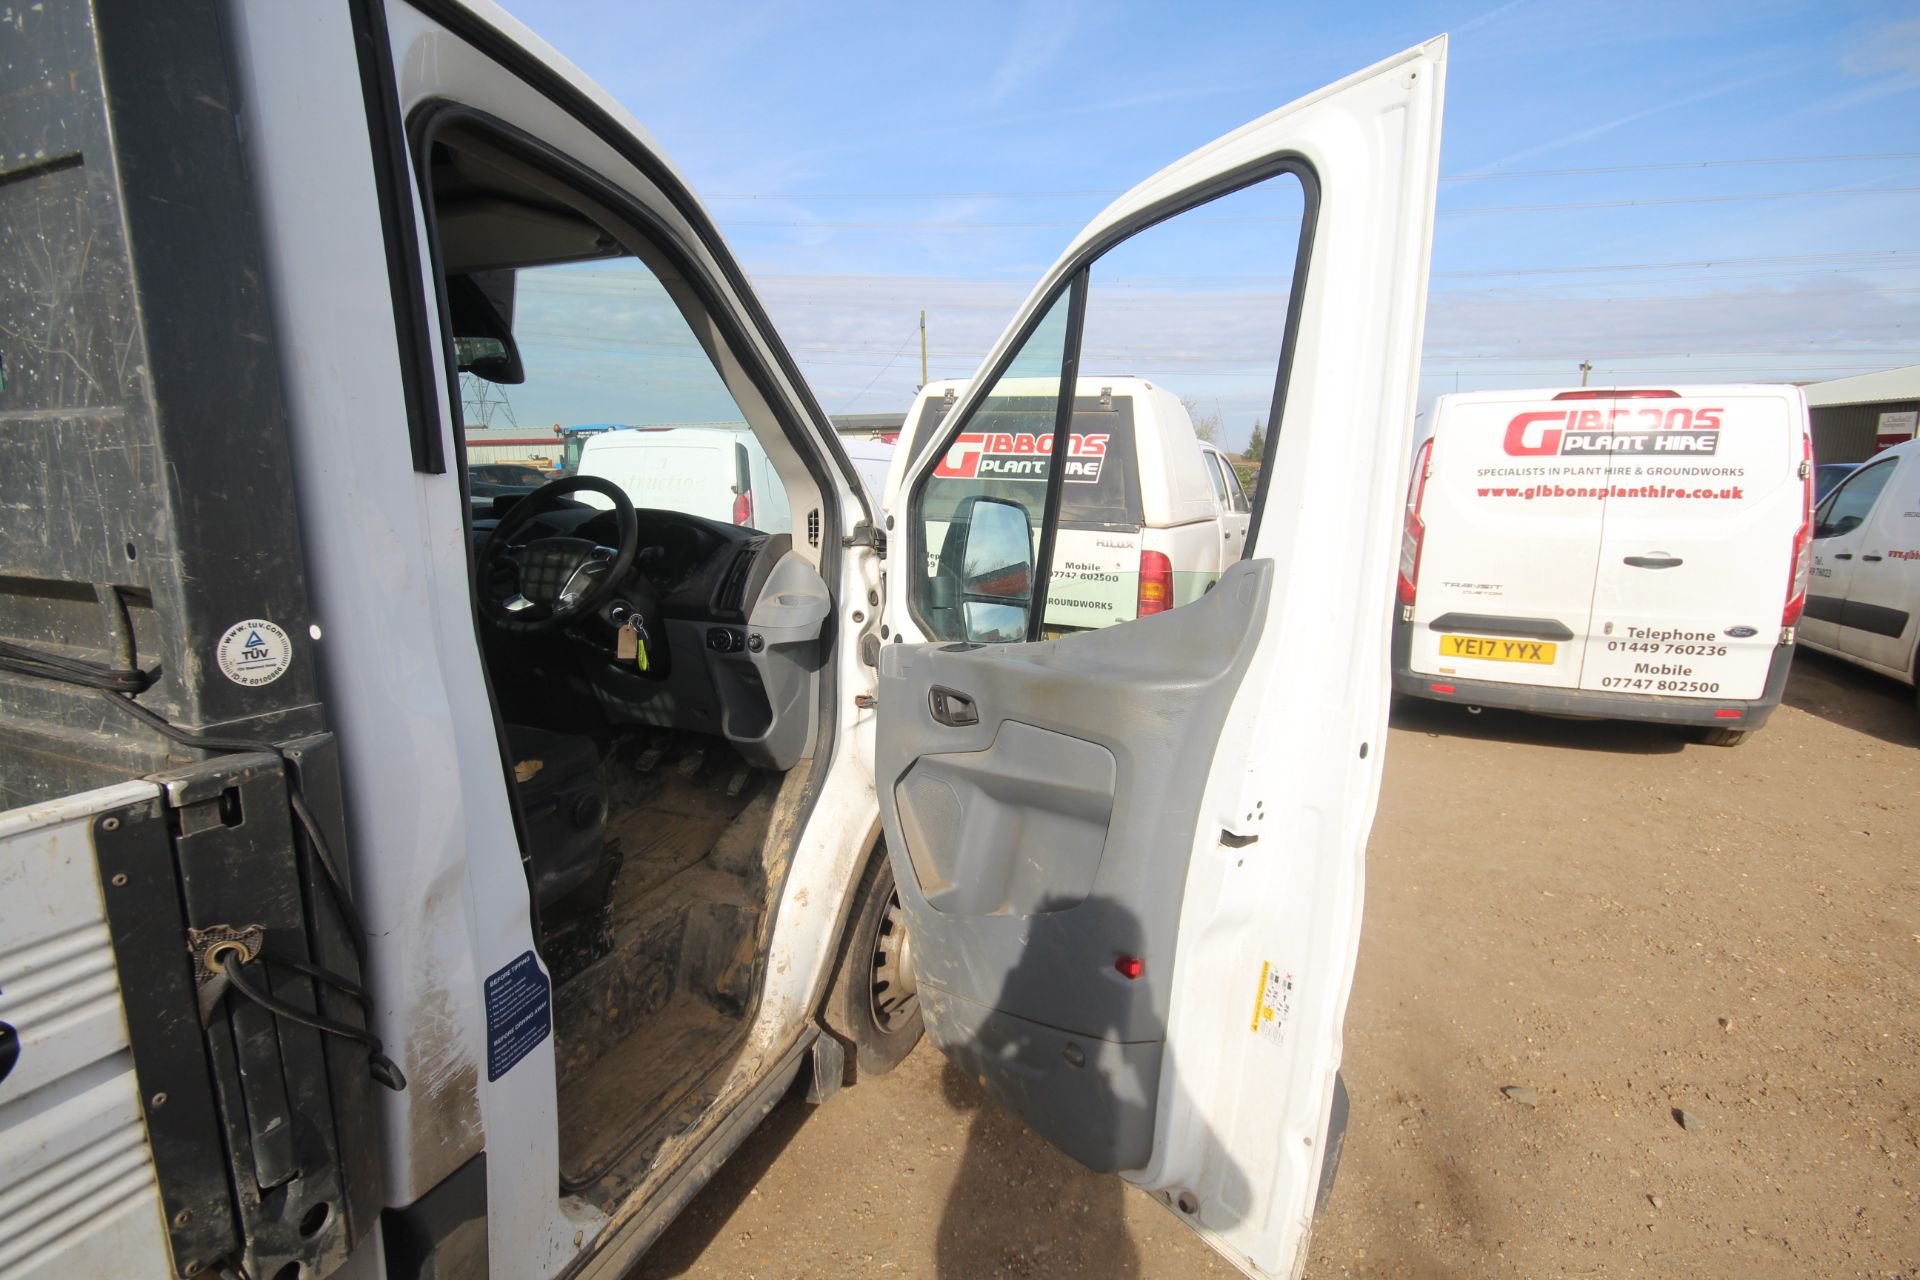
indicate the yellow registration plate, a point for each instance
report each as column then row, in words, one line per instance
column 1494, row 649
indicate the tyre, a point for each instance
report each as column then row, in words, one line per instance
column 1723, row 737
column 873, row 1006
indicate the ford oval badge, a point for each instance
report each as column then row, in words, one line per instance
column 1741, row 633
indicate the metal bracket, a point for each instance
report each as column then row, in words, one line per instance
column 867, row 534
column 246, row 939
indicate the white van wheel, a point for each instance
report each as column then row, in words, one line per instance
column 874, row 1003
column 1723, row 737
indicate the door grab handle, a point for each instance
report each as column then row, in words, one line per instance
column 1653, row 562
column 950, row 708
column 1872, row 557
column 1843, row 555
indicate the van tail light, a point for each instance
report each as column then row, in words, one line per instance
column 1414, row 535
column 1801, row 568
column 1156, row 584
column 743, row 508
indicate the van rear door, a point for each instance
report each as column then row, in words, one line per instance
column 1697, row 541
column 1512, row 534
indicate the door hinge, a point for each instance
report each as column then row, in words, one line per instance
column 864, row 700
column 867, row 534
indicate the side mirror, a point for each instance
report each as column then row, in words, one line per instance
column 996, row 570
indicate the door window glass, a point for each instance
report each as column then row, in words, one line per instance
column 559, row 327
column 1847, row 507
column 1171, row 337
column 1219, row 485
column 1236, row 495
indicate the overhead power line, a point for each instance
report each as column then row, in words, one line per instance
column 1559, row 207
column 1491, row 176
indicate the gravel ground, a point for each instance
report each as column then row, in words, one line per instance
column 1628, row 925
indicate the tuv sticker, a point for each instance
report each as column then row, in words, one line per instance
column 254, row 652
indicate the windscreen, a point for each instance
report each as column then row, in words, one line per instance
column 1007, row 452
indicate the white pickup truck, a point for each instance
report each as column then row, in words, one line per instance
column 1150, row 515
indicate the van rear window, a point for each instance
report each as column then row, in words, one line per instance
column 1007, row 451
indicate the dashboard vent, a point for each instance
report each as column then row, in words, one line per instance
column 732, row 595
column 813, row 527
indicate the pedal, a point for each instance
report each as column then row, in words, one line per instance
column 738, row 782
column 692, row 762
column 650, row 758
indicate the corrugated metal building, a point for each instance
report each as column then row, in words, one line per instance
column 1855, row 418
column 535, row 446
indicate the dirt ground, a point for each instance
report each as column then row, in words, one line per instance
column 1625, row 923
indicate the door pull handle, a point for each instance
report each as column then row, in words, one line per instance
column 1658, row 561
column 1870, row 556
column 1843, row 555
column 951, row 708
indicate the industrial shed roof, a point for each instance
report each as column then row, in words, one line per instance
column 1868, row 388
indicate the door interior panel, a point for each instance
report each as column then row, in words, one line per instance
column 1041, row 846
column 1016, row 829
column 1094, row 1098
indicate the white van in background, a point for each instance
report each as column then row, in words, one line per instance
column 1863, row 603
column 1148, row 519
column 873, row 459
column 720, row 472
column 1639, row 554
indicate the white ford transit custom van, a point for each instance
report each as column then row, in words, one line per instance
column 1630, row 553
column 1863, row 603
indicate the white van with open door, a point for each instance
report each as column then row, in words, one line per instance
column 1863, row 603
column 1148, row 522
column 392, row 892
column 1636, row 553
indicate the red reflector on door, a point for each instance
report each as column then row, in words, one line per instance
column 1726, row 713
column 1130, row 967
column 1442, row 688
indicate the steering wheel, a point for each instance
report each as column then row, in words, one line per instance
column 556, row 580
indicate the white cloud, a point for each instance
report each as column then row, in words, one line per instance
column 1039, row 34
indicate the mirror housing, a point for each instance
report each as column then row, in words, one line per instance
column 482, row 333
column 995, row 580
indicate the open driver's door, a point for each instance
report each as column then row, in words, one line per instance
column 1132, row 859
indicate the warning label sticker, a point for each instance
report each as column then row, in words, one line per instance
column 519, row 1013
column 253, row 652
column 1272, row 1004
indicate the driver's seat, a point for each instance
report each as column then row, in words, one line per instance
column 564, row 806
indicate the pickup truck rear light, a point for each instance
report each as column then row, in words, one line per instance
column 1800, row 569
column 1414, row 535
column 1156, row 584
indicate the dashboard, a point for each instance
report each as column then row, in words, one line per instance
column 682, row 561
column 730, row 618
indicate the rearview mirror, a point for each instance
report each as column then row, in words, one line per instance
column 996, row 571
column 481, row 309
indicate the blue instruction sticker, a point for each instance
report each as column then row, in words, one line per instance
column 519, row 1014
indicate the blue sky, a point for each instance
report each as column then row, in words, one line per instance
column 866, row 161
